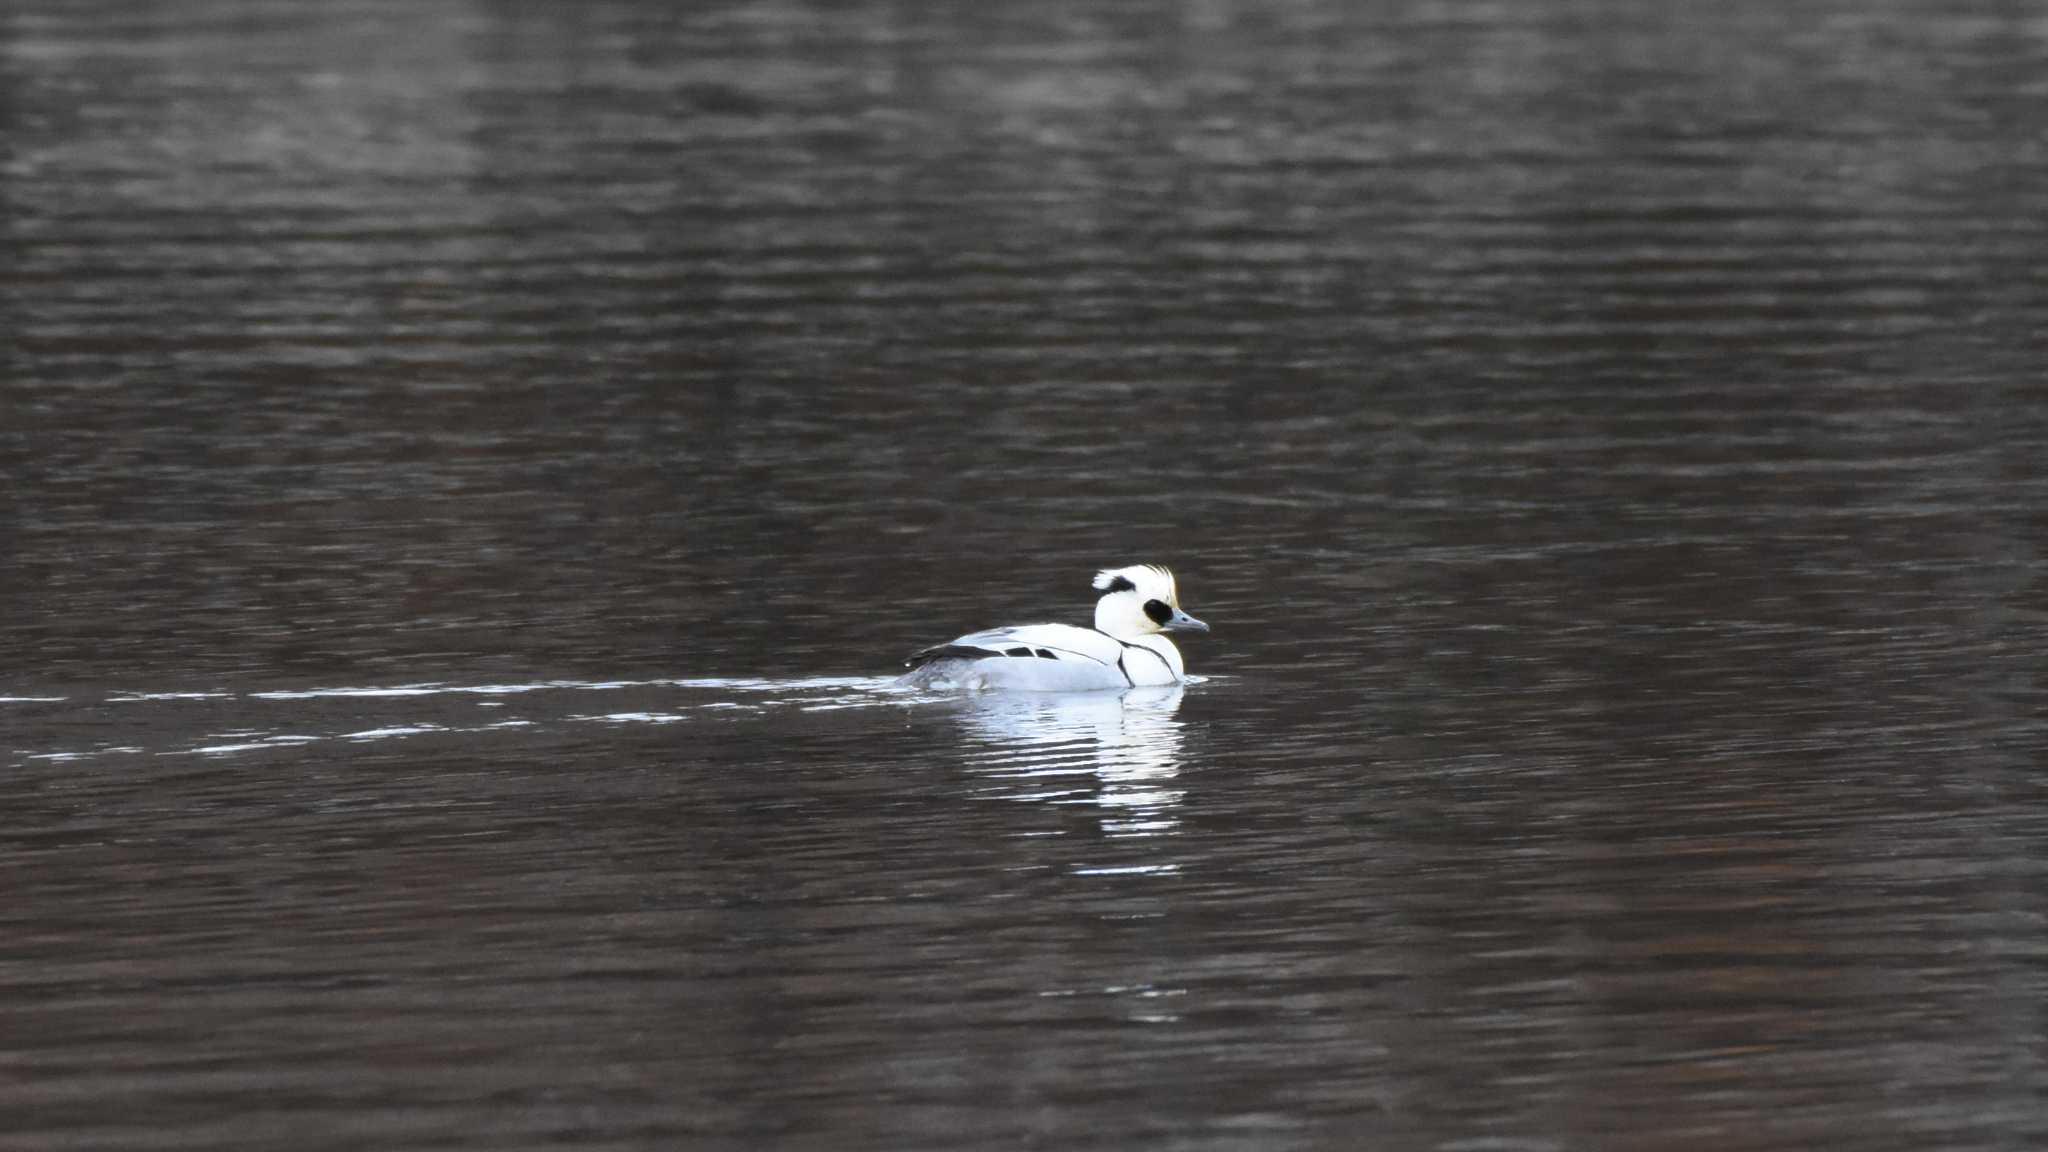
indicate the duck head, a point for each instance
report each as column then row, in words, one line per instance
column 1140, row 600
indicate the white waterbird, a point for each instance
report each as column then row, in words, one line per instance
column 1127, row 647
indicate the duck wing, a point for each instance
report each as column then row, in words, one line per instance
column 1043, row 641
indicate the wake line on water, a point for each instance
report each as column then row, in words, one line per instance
column 742, row 684
column 435, row 688
column 734, row 695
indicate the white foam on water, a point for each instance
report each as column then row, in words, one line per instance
column 798, row 684
column 1132, row 870
column 137, row 697
column 322, row 693
column 395, row 730
column 404, row 690
column 635, row 717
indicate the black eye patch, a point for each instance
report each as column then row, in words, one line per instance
column 1158, row 611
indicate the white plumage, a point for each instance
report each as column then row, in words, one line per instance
column 1126, row 648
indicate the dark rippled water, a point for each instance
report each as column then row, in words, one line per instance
column 469, row 469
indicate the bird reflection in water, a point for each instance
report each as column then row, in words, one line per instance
column 1118, row 751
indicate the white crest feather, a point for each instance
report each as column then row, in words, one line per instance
column 1108, row 576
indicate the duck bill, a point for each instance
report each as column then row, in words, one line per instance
column 1182, row 622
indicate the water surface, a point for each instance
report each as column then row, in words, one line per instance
column 472, row 468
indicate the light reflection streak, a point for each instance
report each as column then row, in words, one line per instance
column 1128, row 744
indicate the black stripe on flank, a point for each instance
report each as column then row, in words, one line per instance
column 1142, row 648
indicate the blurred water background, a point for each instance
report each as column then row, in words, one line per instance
column 469, row 467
